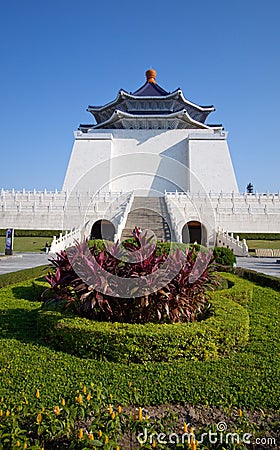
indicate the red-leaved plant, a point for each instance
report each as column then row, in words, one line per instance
column 129, row 283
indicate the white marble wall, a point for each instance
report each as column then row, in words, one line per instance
column 242, row 213
column 150, row 161
column 59, row 210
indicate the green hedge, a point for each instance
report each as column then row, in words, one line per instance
column 248, row 379
column 240, row 291
column 226, row 331
column 32, row 233
column 258, row 278
column 8, row 279
column 162, row 247
column 258, row 236
column 224, row 256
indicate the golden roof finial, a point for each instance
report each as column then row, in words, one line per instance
column 151, row 76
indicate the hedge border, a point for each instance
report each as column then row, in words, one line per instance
column 246, row 380
column 8, row 279
column 259, row 278
column 32, row 233
column 220, row 335
column 258, row 236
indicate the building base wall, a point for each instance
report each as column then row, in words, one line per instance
column 150, row 162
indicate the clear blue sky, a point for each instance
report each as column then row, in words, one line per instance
column 57, row 57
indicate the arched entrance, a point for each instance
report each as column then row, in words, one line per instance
column 103, row 229
column 194, row 231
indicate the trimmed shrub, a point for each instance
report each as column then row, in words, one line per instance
column 258, row 236
column 224, row 256
column 258, row 278
column 7, row 279
column 247, row 379
column 33, row 233
column 147, row 288
column 162, row 248
column 240, row 291
column 220, row 335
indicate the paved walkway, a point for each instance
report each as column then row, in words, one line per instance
column 268, row 266
column 19, row 261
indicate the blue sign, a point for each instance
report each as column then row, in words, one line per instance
column 9, row 241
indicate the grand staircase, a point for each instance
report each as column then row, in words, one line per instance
column 149, row 213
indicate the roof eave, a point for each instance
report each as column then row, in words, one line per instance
column 120, row 95
column 209, row 109
column 183, row 114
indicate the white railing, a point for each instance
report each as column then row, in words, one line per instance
column 123, row 220
column 176, row 228
column 239, row 248
column 12, row 200
column 78, row 233
column 66, row 240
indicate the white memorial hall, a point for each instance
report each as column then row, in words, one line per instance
column 152, row 159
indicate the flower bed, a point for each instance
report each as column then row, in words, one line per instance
column 225, row 332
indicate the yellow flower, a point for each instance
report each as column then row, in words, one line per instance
column 129, row 384
column 24, row 446
column 80, row 399
column 154, row 444
column 194, row 445
column 63, row 402
column 88, row 397
column 118, row 448
column 113, row 415
column 37, row 394
column 90, row 436
column 17, row 444
column 111, row 396
column 146, row 417
column 119, row 409
column 1, row 412
column 110, row 409
column 140, row 414
column 7, row 413
column 134, row 389
column 80, row 434
column 56, row 410
column 39, row 418
column 185, row 427
column 240, row 413
column 84, row 389
column 100, row 433
column 106, row 440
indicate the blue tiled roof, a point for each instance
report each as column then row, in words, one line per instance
column 150, row 90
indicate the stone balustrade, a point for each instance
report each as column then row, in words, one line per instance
column 235, row 212
column 65, row 240
column 224, row 239
column 57, row 210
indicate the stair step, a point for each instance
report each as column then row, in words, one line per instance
column 148, row 213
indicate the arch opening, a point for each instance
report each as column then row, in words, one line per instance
column 194, row 232
column 103, row 229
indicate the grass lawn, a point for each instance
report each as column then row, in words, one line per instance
column 37, row 244
column 252, row 244
column 248, row 379
column 26, row 244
